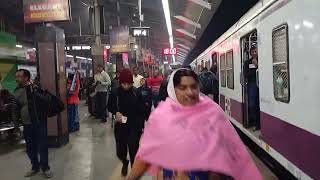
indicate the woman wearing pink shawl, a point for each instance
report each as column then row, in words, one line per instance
column 190, row 135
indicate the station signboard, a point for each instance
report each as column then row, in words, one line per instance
column 46, row 10
column 169, row 51
column 139, row 31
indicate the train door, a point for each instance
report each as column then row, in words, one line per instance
column 250, row 80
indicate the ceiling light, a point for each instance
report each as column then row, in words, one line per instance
column 69, row 55
column 78, row 57
column 19, row 46
column 166, row 10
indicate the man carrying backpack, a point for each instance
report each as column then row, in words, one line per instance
column 33, row 104
column 207, row 80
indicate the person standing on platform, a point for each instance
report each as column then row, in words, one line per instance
column 155, row 86
column 181, row 127
column 126, row 103
column 73, row 87
column 33, row 104
column 215, row 86
column 146, row 93
column 102, row 82
column 136, row 77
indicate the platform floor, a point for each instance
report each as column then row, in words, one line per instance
column 90, row 155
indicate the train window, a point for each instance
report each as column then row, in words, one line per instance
column 229, row 69
column 223, row 70
column 280, row 56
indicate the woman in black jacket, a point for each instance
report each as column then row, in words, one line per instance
column 127, row 104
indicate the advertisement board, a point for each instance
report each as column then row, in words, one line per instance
column 46, row 10
column 119, row 38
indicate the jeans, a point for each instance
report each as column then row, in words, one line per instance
column 253, row 103
column 101, row 105
column 35, row 135
column 73, row 118
column 155, row 100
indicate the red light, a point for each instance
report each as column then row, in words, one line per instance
column 105, row 55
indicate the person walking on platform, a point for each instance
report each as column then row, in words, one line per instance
column 136, row 77
column 163, row 93
column 102, row 82
column 73, row 87
column 126, row 103
column 33, row 103
column 115, row 82
column 146, row 97
column 181, row 127
column 155, row 86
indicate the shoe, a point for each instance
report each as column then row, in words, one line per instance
column 30, row 173
column 124, row 170
column 47, row 174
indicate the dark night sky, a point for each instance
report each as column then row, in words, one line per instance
column 229, row 12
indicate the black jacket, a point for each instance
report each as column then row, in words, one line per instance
column 146, row 94
column 130, row 104
column 163, row 92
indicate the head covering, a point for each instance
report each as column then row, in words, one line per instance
column 170, row 87
column 196, row 138
column 126, row 76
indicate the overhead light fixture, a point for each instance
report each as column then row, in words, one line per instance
column 202, row 3
column 69, row 55
column 165, row 62
column 79, row 57
column 19, row 46
column 34, row 49
column 89, row 59
column 166, row 10
column 107, row 46
column 136, row 46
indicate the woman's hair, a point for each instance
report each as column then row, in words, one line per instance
column 184, row 72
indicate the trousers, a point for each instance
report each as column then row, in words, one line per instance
column 35, row 135
column 101, row 105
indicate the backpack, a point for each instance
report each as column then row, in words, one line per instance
column 206, row 82
column 56, row 106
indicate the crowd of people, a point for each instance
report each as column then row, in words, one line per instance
column 186, row 136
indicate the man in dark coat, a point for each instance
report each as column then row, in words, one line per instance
column 126, row 103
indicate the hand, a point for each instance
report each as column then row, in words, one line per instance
column 119, row 117
column 255, row 62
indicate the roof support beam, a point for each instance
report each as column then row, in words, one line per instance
column 183, row 46
column 183, row 50
column 189, row 21
column 202, row 3
column 186, row 33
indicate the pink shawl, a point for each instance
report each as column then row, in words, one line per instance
column 195, row 138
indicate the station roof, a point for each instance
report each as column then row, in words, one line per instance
column 195, row 23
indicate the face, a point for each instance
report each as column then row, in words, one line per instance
column 99, row 69
column 21, row 79
column 145, row 75
column 187, row 91
column 254, row 53
column 135, row 71
column 156, row 73
column 142, row 82
column 126, row 86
